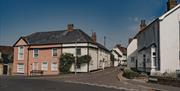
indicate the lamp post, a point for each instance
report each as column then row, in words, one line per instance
column 75, row 66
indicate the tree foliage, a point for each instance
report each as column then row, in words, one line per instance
column 84, row 59
column 66, row 61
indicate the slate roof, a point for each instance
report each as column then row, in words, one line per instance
column 122, row 49
column 58, row 37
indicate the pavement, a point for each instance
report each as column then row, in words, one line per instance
column 103, row 80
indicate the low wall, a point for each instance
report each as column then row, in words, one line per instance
column 165, row 80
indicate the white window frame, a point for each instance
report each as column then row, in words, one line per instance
column 34, row 53
column 53, row 68
column 20, row 69
column 53, row 52
column 44, row 67
column 19, row 52
column 34, row 66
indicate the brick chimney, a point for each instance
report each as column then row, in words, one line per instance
column 143, row 24
column 70, row 27
column 94, row 36
column 171, row 4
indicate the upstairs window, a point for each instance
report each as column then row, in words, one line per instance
column 54, row 52
column 35, row 51
column 78, row 51
column 20, row 53
column 132, row 59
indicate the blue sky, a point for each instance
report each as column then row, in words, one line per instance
column 116, row 19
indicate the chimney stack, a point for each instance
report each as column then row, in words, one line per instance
column 130, row 39
column 143, row 24
column 94, row 36
column 70, row 27
column 171, row 4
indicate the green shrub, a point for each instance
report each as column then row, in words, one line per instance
column 128, row 73
column 66, row 61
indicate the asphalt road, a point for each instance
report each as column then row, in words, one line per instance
column 24, row 84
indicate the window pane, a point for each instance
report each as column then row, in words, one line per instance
column 78, row 51
column 20, row 53
column 54, row 66
column 44, row 66
column 35, row 53
column 54, row 52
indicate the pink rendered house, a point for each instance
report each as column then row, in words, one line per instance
column 36, row 57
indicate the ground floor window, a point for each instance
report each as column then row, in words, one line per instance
column 35, row 66
column 54, row 66
column 20, row 68
column 78, row 65
column 44, row 66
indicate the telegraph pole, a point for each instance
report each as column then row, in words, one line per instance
column 104, row 41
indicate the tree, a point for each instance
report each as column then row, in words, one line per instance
column 66, row 61
column 84, row 59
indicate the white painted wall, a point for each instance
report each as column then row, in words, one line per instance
column 169, row 42
column 116, row 59
column 93, row 65
column 132, row 52
column 95, row 53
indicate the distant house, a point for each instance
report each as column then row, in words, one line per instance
column 6, row 59
column 120, row 55
column 42, row 51
column 156, row 47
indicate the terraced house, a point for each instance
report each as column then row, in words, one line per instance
column 42, row 51
column 155, row 49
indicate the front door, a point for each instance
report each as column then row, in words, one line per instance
column 35, row 66
column 5, row 69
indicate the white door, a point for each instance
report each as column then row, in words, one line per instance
column 35, row 66
column 20, row 68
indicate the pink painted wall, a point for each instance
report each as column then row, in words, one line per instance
column 45, row 54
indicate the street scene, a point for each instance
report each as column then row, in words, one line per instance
column 92, row 45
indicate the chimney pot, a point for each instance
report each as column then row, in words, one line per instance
column 171, row 4
column 143, row 24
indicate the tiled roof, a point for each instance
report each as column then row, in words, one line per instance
column 62, row 36
column 122, row 49
column 58, row 37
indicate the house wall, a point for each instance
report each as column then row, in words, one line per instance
column 116, row 59
column 16, row 61
column 132, row 52
column 147, row 39
column 169, row 42
column 104, row 59
column 122, row 58
column 93, row 65
column 45, row 55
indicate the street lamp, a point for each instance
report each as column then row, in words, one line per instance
column 75, row 63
